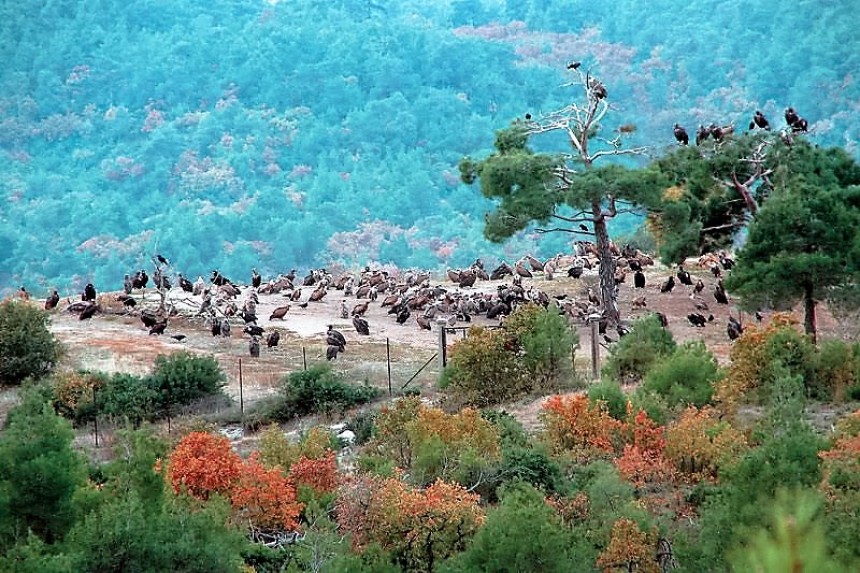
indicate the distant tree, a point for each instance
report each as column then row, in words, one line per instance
column 27, row 347
column 567, row 188
column 803, row 243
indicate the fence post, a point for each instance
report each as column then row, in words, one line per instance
column 388, row 360
column 96, row 416
column 304, row 359
column 443, row 354
column 241, row 395
column 594, row 321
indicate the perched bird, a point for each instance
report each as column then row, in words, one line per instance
column 759, row 316
column 185, row 284
column 668, row 285
column 574, row 272
column 162, row 260
column 760, row 121
column 332, row 351
column 256, row 279
column 148, row 318
column 158, row 327
column 216, row 326
column 528, row 117
column 423, row 322
column 681, row 135
column 702, row 134
column 335, row 337
column 279, row 312
column 791, row 116
column 574, row 65
column 52, row 301
column 403, row 315
column 224, row 327
column 684, row 276
column 88, row 311
column 664, row 322
column 720, row 294
column 360, row 308
column 699, row 287
column 361, row 325
column 639, row 279
column 734, row 328
column 253, row 330
column 254, row 347
column 178, row 337
column 697, row 320
column 89, row 293
column 273, row 339
column 127, row 284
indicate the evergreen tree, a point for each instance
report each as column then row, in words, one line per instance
column 27, row 348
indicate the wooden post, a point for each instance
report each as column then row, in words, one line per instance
column 241, row 394
column 595, row 349
column 388, row 360
column 304, row 358
column 96, row 417
column 443, row 354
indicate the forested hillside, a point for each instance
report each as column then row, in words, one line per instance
column 243, row 133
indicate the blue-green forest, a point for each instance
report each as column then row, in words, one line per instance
column 236, row 133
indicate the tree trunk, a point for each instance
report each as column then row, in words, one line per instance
column 809, row 312
column 607, row 266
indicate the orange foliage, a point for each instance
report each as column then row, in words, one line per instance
column 572, row 510
column 265, row 497
column 572, row 425
column 203, row 464
column 840, row 469
column 699, row 443
column 320, row 474
column 629, row 549
column 644, row 460
column 748, row 359
column 419, row 526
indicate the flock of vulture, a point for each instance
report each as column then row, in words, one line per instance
column 794, row 124
column 410, row 297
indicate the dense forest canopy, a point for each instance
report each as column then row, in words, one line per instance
column 273, row 134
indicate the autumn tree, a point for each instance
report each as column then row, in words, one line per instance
column 420, row 527
column 699, row 444
column 577, row 428
column 567, row 188
column 630, row 549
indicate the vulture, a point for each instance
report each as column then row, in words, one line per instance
column 361, row 308
column 500, row 271
column 403, row 315
column 684, row 276
column 697, row 320
column 467, row 279
column 149, row 319
column 162, row 260
column 52, row 301
column 185, row 284
column 734, row 328
column 574, row 272
column 664, row 322
column 256, row 279
column 639, row 279
column 253, row 330
column 224, row 326
column 702, row 134
column 335, row 337
column 279, row 312
column 668, row 285
column 681, row 135
column 331, row 351
column 127, row 284
column 521, row 270
column 254, row 347
column 140, row 279
column 216, row 327
column 360, row 325
column 453, row 275
column 720, row 294
column 760, row 121
column 127, row 301
column 273, row 339
column 178, row 337
column 318, row 294
column 791, row 117
column 423, row 322
column 574, row 65
column 296, row 295
column 89, row 293
column 88, row 311
column 699, row 286
column 158, row 327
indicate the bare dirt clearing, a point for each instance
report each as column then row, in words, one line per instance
column 120, row 343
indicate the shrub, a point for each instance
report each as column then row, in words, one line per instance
column 182, row 377
column 836, row 367
column 74, row 394
column 126, row 396
column 27, row 348
column 633, row 355
column 319, row 389
column 609, row 392
column 546, row 341
column 686, row 377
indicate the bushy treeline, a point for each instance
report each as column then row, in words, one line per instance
column 216, row 117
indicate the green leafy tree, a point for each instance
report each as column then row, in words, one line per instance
column 547, row 341
column 633, row 355
column 39, row 473
column 522, row 533
column 685, row 377
column 182, row 377
column 800, row 246
column 27, row 348
column 565, row 188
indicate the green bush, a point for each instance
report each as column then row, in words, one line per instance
column 609, row 391
column 182, row 377
column 126, row 396
column 362, row 425
column 837, row 365
column 318, row 390
column 794, row 351
column 545, row 340
column 27, row 347
column 686, row 377
column 633, row 355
